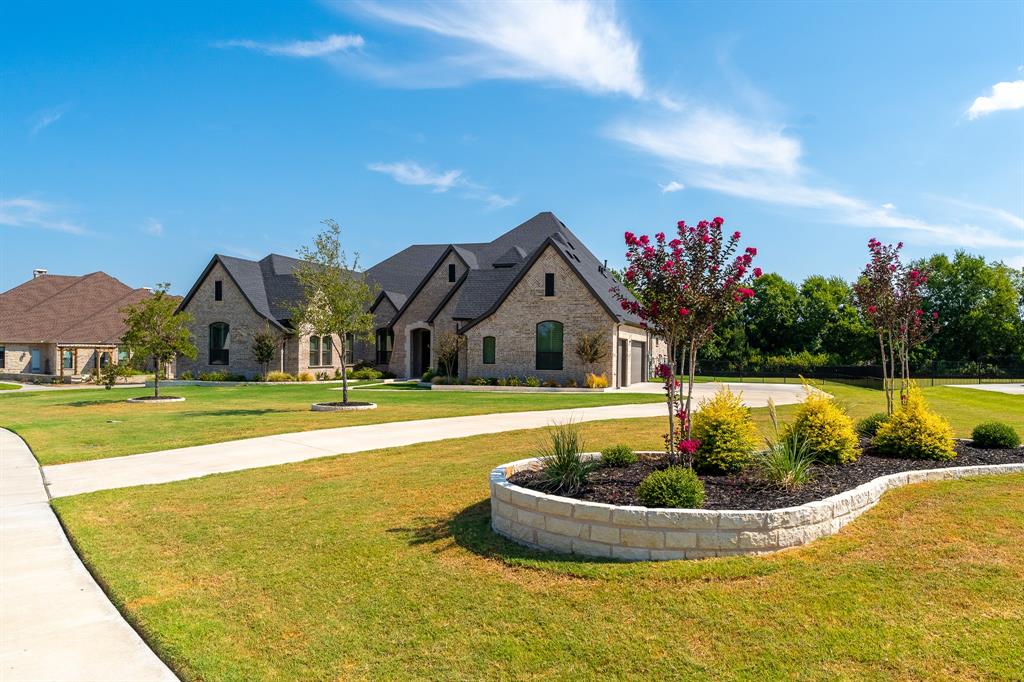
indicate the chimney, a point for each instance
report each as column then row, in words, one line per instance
column 38, row 272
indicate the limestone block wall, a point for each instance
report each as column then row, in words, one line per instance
column 566, row 525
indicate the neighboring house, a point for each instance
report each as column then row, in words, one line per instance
column 235, row 298
column 60, row 326
column 520, row 302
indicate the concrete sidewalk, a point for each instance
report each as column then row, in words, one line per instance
column 55, row 621
column 201, row 460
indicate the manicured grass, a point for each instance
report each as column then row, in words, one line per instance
column 9, row 387
column 70, row 426
column 381, row 565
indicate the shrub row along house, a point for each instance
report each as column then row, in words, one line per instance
column 62, row 327
column 516, row 306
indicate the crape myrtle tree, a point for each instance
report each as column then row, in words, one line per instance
column 681, row 290
column 336, row 298
column 890, row 297
column 154, row 330
column 264, row 344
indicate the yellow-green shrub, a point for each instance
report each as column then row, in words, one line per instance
column 726, row 433
column 915, row 432
column 826, row 429
column 279, row 376
column 597, row 380
column 305, row 376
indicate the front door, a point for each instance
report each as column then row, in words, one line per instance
column 36, row 365
column 420, row 351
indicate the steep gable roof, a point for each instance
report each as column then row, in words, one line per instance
column 67, row 309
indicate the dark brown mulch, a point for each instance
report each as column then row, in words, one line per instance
column 351, row 403
column 617, row 485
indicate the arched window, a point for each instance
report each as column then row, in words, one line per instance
column 219, row 343
column 549, row 345
column 488, row 350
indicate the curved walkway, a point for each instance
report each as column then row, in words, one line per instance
column 55, row 621
column 201, row 460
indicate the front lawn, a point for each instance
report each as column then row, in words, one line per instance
column 9, row 387
column 382, row 565
column 70, row 426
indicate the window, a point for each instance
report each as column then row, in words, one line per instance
column 549, row 284
column 122, row 357
column 219, row 343
column 314, row 351
column 326, row 350
column 67, row 359
column 488, row 350
column 350, row 342
column 104, row 360
column 3, row 357
column 218, row 290
column 385, row 344
column 549, row 345
column 451, row 272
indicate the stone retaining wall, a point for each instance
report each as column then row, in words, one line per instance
column 566, row 525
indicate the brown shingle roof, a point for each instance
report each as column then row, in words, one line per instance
column 66, row 309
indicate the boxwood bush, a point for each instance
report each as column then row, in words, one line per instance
column 915, row 432
column 618, row 456
column 675, row 486
column 725, row 432
column 997, row 435
column 868, row 426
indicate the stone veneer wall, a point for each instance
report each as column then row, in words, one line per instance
column 566, row 525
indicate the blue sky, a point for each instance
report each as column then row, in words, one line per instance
column 142, row 139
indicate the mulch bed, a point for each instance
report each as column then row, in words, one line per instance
column 617, row 485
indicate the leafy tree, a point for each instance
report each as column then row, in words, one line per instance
column 829, row 323
column 771, row 317
column 155, row 330
column 683, row 289
column 113, row 371
column 264, row 344
column 336, row 298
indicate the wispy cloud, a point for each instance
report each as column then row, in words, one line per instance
column 580, row 43
column 332, row 44
column 412, row 173
column 45, row 118
column 1006, row 95
column 28, row 213
column 991, row 211
column 153, row 227
column 672, row 186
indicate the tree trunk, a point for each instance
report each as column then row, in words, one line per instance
column 885, row 374
column 156, row 379
column 344, row 370
column 670, row 389
column 692, row 361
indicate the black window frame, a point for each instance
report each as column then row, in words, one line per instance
column 218, row 290
column 385, row 345
column 326, row 350
column 222, row 355
column 494, row 350
column 314, row 355
column 451, row 272
column 546, row 357
column 3, row 357
column 549, row 284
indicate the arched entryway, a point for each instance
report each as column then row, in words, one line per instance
column 419, row 352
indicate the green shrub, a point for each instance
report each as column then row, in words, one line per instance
column 725, row 432
column 618, row 456
column 825, row 429
column 186, row 376
column 868, row 426
column 440, row 380
column 367, row 373
column 337, row 373
column 305, row 376
column 571, row 383
column 322, row 376
column 532, row 382
column 279, row 376
column 512, row 380
column 220, row 376
column 429, row 375
column 673, row 487
column 477, row 381
column 997, row 435
column 387, row 375
column 787, row 463
column 549, row 383
column 915, row 432
column 565, row 471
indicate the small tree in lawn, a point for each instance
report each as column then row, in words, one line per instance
column 890, row 297
column 264, row 344
column 446, row 348
column 336, row 298
column 155, row 331
column 682, row 289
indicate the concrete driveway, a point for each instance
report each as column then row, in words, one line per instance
column 1009, row 389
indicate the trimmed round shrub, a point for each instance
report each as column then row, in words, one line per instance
column 725, row 433
column 673, row 487
column 995, row 435
column 618, row 456
column 915, row 432
column 366, row 373
column 868, row 426
column 825, row 429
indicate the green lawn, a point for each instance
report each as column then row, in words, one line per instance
column 381, row 565
column 70, row 426
column 9, row 387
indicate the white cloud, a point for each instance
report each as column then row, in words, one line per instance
column 580, row 43
column 153, row 227
column 34, row 214
column 997, row 213
column 1005, row 95
column 672, row 186
column 889, row 206
column 412, row 173
column 332, row 44
column 704, row 138
column 46, row 118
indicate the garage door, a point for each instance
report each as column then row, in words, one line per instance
column 638, row 362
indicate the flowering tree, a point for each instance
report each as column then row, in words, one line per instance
column 889, row 295
column 682, row 289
